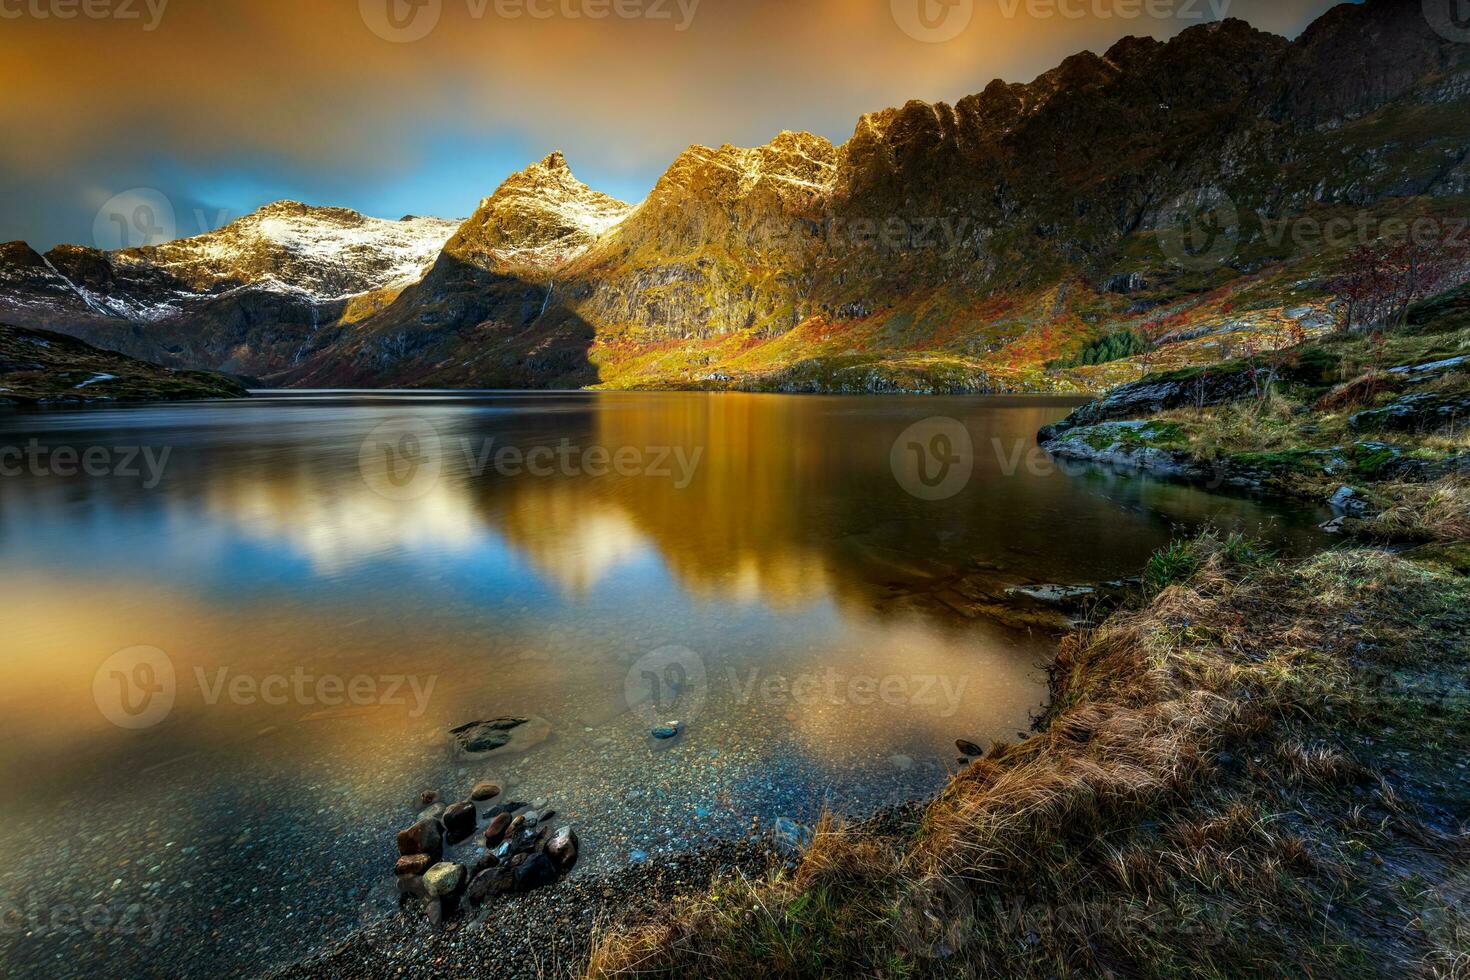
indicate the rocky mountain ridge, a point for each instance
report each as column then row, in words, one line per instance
column 941, row 247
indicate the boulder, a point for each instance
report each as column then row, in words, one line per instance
column 496, row 829
column 423, row 837
column 534, row 872
column 488, row 883
column 668, row 730
column 562, row 849
column 443, row 878
column 459, row 822
column 1419, row 412
column 413, row 864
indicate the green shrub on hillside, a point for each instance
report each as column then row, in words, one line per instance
column 1113, row 347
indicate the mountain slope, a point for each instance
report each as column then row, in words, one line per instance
column 980, row 246
column 245, row 297
column 38, row 367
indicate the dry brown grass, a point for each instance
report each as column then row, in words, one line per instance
column 1101, row 843
column 1360, row 392
column 1438, row 511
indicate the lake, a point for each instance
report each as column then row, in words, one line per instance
column 236, row 634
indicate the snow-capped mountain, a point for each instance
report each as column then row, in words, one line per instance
column 941, row 247
column 288, row 261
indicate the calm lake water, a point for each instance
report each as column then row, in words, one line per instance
column 235, row 635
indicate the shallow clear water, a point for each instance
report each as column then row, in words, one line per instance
column 232, row 650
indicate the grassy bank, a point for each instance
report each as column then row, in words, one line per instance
column 1255, row 770
column 38, row 367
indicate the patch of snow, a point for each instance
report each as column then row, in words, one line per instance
column 97, row 378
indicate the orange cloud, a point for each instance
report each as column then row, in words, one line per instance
column 314, row 83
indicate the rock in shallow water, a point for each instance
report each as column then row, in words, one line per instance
column 484, row 790
column 968, row 748
column 459, row 821
column 422, row 838
column 497, row 828
column 499, row 736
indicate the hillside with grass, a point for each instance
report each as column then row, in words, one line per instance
column 38, row 367
column 1254, row 767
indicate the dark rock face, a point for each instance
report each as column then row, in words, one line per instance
column 1417, row 412
column 1155, row 394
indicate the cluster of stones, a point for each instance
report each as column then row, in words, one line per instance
column 521, row 851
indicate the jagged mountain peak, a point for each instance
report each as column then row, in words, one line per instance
column 540, row 216
column 794, row 167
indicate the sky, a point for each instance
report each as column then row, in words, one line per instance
column 391, row 107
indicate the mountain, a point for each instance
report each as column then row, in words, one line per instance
column 247, row 297
column 995, row 244
column 38, row 367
